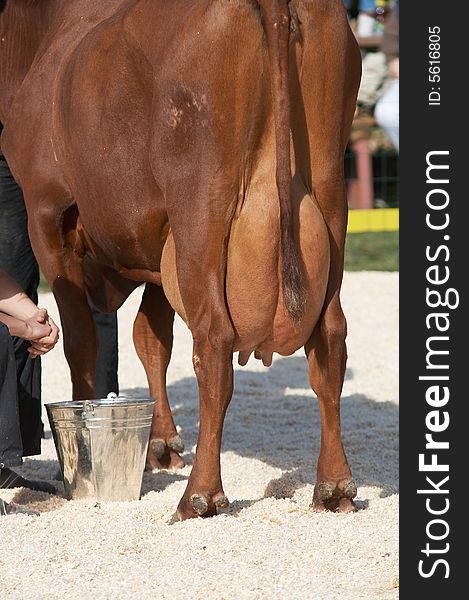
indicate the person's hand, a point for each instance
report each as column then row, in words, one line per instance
column 37, row 327
column 44, row 344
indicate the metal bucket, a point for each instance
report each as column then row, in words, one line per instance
column 102, row 445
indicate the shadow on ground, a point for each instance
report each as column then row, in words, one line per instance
column 274, row 417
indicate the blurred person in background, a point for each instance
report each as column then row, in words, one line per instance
column 369, row 14
column 387, row 107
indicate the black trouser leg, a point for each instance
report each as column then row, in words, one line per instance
column 28, row 371
column 17, row 258
column 16, row 255
column 105, row 379
column 11, row 448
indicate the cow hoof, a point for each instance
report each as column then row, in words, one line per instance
column 161, row 456
column 325, row 491
column 222, row 502
column 158, row 448
column 335, row 497
column 350, row 490
column 346, row 506
column 176, row 444
column 199, row 504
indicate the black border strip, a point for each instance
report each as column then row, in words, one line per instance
column 423, row 129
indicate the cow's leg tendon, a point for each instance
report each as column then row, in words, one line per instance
column 153, row 339
column 326, row 352
column 62, row 267
column 212, row 359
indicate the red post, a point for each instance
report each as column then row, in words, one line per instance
column 360, row 190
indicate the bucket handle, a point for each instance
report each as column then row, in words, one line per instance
column 88, row 409
column 88, row 406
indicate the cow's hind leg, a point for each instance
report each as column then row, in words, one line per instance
column 153, row 339
column 330, row 75
column 212, row 359
column 327, row 356
column 326, row 352
column 200, row 262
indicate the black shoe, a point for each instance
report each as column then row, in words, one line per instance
column 8, row 509
column 9, row 479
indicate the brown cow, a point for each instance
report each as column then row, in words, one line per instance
column 155, row 141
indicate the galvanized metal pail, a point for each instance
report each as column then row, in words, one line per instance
column 102, row 445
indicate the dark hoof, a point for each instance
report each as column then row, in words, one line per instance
column 335, row 496
column 325, row 491
column 222, row 502
column 350, row 490
column 199, row 504
column 203, row 506
column 168, row 460
column 176, row 444
column 158, row 448
column 346, row 506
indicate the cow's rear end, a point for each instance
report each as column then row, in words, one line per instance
column 243, row 250
column 207, row 153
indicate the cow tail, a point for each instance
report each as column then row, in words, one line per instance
column 276, row 23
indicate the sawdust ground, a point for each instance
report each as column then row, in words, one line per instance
column 268, row 544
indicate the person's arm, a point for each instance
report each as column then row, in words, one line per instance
column 21, row 329
column 13, row 300
column 24, row 319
